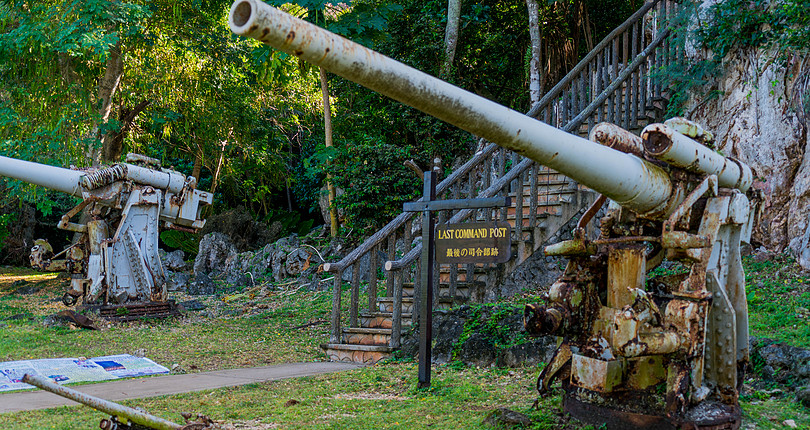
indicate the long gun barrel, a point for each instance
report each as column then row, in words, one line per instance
column 134, row 415
column 72, row 181
column 627, row 179
column 51, row 177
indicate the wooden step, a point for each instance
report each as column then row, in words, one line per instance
column 462, row 289
column 363, row 354
column 383, row 320
column 386, row 304
column 366, row 336
column 448, row 303
column 540, row 223
column 542, row 191
column 480, row 274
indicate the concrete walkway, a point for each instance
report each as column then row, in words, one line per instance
column 171, row 384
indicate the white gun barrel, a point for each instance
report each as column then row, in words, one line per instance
column 51, row 177
column 666, row 144
column 628, row 180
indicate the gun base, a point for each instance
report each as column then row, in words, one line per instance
column 136, row 311
column 704, row 416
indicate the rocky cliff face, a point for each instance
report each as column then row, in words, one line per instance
column 756, row 121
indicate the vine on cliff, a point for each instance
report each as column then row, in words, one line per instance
column 783, row 26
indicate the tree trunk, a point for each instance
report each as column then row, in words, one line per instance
column 534, row 64
column 327, row 126
column 113, row 142
column 106, row 90
column 215, row 180
column 451, row 33
column 198, row 163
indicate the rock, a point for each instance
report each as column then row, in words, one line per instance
column 782, row 363
column 283, row 248
column 202, row 285
column 323, row 203
column 755, row 122
column 56, row 321
column 538, row 272
column 774, row 355
column 140, row 352
column 446, row 333
column 177, row 281
column 193, row 305
column 215, row 249
column 803, row 396
column 297, row 261
column 477, row 350
column 245, row 232
column 174, row 261
column 506, row 418
column 790, row 423
column 538, row 351
column 27, row 290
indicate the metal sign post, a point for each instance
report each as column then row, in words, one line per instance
column 427, row 206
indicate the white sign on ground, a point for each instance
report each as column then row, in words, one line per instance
column 70, row 370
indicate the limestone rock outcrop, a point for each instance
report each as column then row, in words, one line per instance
column 756, row 120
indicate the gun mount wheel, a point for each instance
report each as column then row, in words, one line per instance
column 69, row 299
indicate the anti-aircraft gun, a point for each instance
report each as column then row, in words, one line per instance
column 113, row 261
column 636, row 352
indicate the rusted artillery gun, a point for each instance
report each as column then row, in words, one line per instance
column 121, row 417
column 113, row 261
column 635, row 353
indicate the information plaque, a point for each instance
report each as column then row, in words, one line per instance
column 478, row 242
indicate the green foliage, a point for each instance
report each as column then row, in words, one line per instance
column 374, row 181
column 187, row 242
column 291, row 222
column 488, row 320
column 5, row 220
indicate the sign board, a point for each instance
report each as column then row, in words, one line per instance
column 478, row 242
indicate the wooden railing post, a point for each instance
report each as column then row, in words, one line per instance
column 355, row 296
column 374, row 262
column 396, row 316
column 335, row 335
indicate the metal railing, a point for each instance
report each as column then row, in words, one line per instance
column 610, row 84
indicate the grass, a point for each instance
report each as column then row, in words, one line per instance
column 383, row 396
column 778, row 299
column 230, row 333
column 253, row 328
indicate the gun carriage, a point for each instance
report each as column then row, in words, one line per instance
column 113, row 261
column 636, row 352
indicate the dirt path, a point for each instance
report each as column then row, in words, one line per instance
column 172, row 384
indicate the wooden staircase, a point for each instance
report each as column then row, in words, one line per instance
column 610, row 84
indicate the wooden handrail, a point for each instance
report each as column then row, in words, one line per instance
column 557, row 89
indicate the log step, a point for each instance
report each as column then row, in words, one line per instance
column 382, row 320
column 363, row 354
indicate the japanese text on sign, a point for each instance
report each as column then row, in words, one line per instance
column 473, row 243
